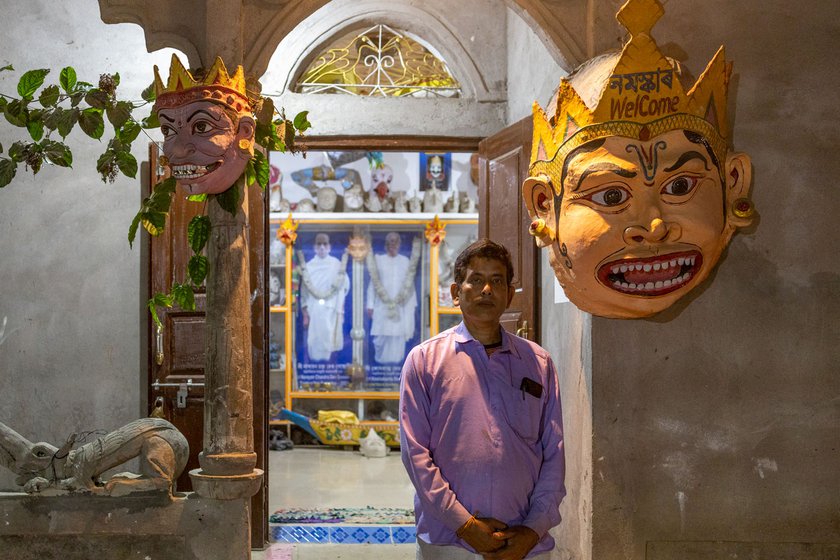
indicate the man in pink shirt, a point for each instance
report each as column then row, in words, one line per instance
column 481, row 426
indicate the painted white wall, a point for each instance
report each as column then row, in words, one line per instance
column 70, row 287
column 533, row 71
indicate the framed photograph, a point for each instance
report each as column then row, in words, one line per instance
column 435, row 170
column 324, row 311
column 393, row 304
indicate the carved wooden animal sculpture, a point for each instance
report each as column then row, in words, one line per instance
column 161, row 449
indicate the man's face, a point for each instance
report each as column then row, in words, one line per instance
column 392, row 244
column 484, row 294
column 322, row 245
column 201, row 143
column 640, row 224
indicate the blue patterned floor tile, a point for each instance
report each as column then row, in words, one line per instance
column 343, row 534
column 403, row 534
column 312, row 534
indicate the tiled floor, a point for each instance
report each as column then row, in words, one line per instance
column 333, row 477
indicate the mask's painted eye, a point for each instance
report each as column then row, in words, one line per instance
column 680, row 186
column 167, row 131
column 612, row 196
column 202, row 127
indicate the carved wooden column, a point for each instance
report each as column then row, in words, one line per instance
column 228, row 458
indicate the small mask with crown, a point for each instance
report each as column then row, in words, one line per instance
column 632, row 186
column 207, row 126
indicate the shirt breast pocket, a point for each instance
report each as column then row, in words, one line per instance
column 523, row 412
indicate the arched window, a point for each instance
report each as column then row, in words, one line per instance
column 379, row 62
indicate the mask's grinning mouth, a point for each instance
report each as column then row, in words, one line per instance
column 652, row 276
column 190, row 171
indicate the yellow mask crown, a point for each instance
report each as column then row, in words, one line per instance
column 217, row 86
column 642, row 97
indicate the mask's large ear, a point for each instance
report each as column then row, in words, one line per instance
column 538, row 194
column 740, row 210
column 245, row 130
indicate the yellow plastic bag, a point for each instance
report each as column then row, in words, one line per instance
column 337, row 417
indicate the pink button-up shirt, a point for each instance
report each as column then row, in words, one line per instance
column 474, row 442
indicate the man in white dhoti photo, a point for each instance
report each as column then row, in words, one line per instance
column 391, row 300
column 323, row 291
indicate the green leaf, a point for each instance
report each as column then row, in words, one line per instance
column 197, row 269
column 183, row 296
column 197, row 197
column 49, row 96
column 167, row 185
column 30, row 82
column 149, row 93
column 36, row 129
column 92, row 122
column 17, row 113
column 18, row 151
column 150, row 122
column 263, row 169
column 132, row 229
column 76, row 97
column 127, row 164
column 58, row 153
column 116, row 78
column 7, row 67
column 105, row 160
column 129, row 132
column 302, row 122
column 154, row 222
column 8, row 168
column 229, row 200
column 118, row 114
column 66, row 121
column 153, row 311
column 162, row 300
column 160, row 201
column 250, row 173
column 98, row 98
column 67, row 78
column 198, row 232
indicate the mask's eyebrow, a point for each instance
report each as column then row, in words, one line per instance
column 163, row 116
column 686, row 157
column 206, row 112
column 604, row 166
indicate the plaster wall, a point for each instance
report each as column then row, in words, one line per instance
column 534, row 71
column 716, row 422
column 70, row 287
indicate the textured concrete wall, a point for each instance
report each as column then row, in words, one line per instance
column 717, row 421
column 70, row 288
column 106, row 528
column 533, row 73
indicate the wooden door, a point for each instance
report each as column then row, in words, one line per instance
column 176, row 357
column 502, row 167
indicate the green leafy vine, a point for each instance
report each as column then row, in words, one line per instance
column 58, row 108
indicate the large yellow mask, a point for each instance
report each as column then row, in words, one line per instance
column 207, row 125
column 632, row 187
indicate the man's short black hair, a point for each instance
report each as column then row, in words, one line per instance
column 483, row 248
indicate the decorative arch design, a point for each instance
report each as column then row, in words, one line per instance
column 378, row 62
column 308, row 39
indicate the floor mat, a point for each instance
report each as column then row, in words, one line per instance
column 359, row 516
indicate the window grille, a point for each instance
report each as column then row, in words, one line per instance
column 379, row 62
